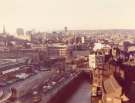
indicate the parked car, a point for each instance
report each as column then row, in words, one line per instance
column 36, row 97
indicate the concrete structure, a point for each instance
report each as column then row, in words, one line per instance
column 98, row 46
column 92, row 61
column 58, row 50
column 80, row 53
column 32, row 83
column 83, row 39
column 20, row 31
column 10, row 65
column 112, row 91
column 96, row 60
column 131, row 48
column 21, row 35
column 5, row 93
column 14, row 91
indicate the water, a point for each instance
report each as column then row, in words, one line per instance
column 77, row 91
column 81, row 95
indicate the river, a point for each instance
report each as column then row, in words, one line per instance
column 81, row 95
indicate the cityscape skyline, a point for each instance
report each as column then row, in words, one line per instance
column 49, row 15
column 67, row 51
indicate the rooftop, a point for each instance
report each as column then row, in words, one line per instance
column 59, row 45
column 129, row 63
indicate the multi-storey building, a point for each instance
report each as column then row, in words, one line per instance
column 96, row 60
column 58, row 50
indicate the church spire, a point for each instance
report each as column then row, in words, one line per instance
column 4, row 31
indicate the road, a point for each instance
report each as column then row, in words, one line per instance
column 77, row 92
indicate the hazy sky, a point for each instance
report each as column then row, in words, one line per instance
column 75, row 14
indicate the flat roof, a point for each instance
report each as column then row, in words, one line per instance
column 129, row 63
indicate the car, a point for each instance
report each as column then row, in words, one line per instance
column 53, row 83
column 36, row 97
column 45, row 89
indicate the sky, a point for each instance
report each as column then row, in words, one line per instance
column 47, row 15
